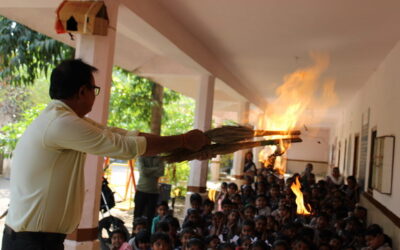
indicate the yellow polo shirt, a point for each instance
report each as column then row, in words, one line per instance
column 47, row 177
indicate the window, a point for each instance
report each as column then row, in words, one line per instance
column 371, row 159
column 382, row 167
column 355, row 155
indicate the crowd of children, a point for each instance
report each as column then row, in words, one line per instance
column 261, row 214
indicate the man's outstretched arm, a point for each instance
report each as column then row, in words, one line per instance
column 193, row 140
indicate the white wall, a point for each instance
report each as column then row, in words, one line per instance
column 315, row 146
column 313, row 149
column 380, row 97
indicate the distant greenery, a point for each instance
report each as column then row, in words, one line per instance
column 10, row 133
column 178, row 175
column 130, row 107
column 20, row 104
column 131, row 102
column 25, row 55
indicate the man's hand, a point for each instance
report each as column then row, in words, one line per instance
column 194, row 140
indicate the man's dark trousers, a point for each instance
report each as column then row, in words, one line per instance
column 145, row 205
column 32, row 240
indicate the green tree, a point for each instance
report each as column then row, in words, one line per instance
column 11, row 132
column 131, row 105
column 178, row 115
column 13, row 101
column 26, row 54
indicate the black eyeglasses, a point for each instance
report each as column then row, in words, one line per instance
column 96, row 89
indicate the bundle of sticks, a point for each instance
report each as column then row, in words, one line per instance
column 228, row 139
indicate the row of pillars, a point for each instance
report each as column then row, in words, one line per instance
column 99, row 52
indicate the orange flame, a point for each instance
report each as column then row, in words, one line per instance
column 301, row 93
column 301, row 208
column 300, row 97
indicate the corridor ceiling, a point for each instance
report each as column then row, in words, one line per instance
column 248, row 45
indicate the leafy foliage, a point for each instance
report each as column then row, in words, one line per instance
column 178, row 174
column 131, row 102
column 26, row 54
column 178, row 115
column 12, row 132
column 13, row 100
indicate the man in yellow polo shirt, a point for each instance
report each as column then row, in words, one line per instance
column 47, row 177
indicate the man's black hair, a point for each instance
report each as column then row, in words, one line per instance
column 68, row 77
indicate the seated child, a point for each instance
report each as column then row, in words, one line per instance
column 262, row 205
column 195, row 244
column 208, row 207
column 260, row 245
column 162, row 211
column 212, row 242
column 217, row 223
column 118, row 241
column 376, row 239
column 160, row 241
column 139, row 224
column 244, row 243
column 185, row 235
column 141, row 241
column 249, row 212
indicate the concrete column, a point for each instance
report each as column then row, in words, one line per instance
column 203, row 115
column 238, row 156
column 215, row 168
column 257, row 150
column 99, row 52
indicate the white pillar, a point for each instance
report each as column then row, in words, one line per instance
column 203, row 115
column 215, row 168
column 257, row 150
column 238, row 156
column 97, row 51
